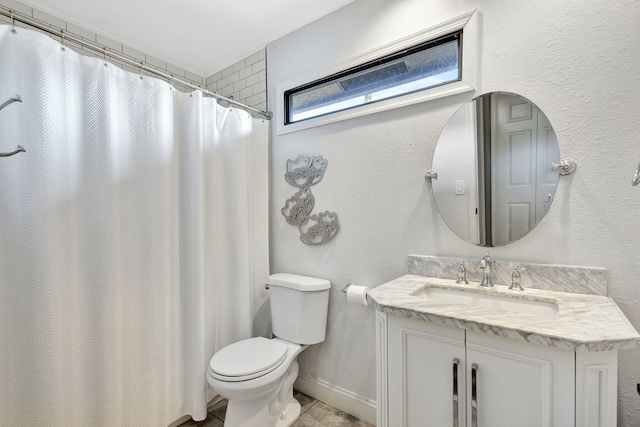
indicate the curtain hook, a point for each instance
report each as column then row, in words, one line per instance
column 13, row 24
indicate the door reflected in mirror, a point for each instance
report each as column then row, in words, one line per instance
column 494, row 160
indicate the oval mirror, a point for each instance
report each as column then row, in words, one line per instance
column 493, row 162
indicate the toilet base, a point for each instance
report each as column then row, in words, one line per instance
column 289, row 415
column 275, row 408
column 242, row 415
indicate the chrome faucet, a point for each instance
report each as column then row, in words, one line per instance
column 486, row 264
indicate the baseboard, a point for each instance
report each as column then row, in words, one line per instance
column 338, row 397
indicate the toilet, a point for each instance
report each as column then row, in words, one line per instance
column 256, row 375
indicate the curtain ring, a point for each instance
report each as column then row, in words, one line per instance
column 62, row 41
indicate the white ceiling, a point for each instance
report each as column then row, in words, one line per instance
column 202, row 36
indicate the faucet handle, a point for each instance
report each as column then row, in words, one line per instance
column 518, row 267
column 462, row 274
column 516, row 284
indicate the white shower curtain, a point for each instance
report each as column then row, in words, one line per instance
column 133, row 233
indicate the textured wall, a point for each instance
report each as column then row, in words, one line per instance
column 578, row 62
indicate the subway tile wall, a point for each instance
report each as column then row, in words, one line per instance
column 245, row 81
column 114, row 46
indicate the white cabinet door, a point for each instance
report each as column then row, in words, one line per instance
column 422, row 362
column 518, row 384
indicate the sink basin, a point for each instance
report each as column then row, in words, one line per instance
column 492, row 301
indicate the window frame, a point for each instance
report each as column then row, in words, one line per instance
column 425, row 46
column 469, row 61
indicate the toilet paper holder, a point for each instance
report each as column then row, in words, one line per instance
column 344, row 290
column 356, row 294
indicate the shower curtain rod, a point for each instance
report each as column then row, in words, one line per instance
column 103, row 50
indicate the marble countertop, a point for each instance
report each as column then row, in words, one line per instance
column 581, row 323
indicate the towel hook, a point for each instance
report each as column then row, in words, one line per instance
column 19, row 148
column 636, row 177
column 14, row 98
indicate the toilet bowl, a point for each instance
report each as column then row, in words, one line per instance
column 260, row 391
column 257, row 375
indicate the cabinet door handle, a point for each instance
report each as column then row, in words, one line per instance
column 474, row 395
column 456, row 362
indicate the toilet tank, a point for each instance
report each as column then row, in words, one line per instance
column 299, row 307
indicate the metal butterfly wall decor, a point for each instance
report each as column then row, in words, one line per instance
column 317, row 229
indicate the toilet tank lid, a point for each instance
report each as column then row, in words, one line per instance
column 298, row 283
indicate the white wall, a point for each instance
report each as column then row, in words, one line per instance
column 578, row 61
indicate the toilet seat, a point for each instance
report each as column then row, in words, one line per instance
column 247, row 359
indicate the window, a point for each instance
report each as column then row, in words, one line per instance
column 426, row 65
column 436, row 62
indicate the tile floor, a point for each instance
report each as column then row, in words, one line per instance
column 314, row 414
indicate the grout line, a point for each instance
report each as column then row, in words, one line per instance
column 214, row 416
column 310, row 406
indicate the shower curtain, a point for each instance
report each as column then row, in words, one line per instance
column 133, row 233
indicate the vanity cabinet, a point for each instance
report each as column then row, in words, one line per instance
column 437, row 375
